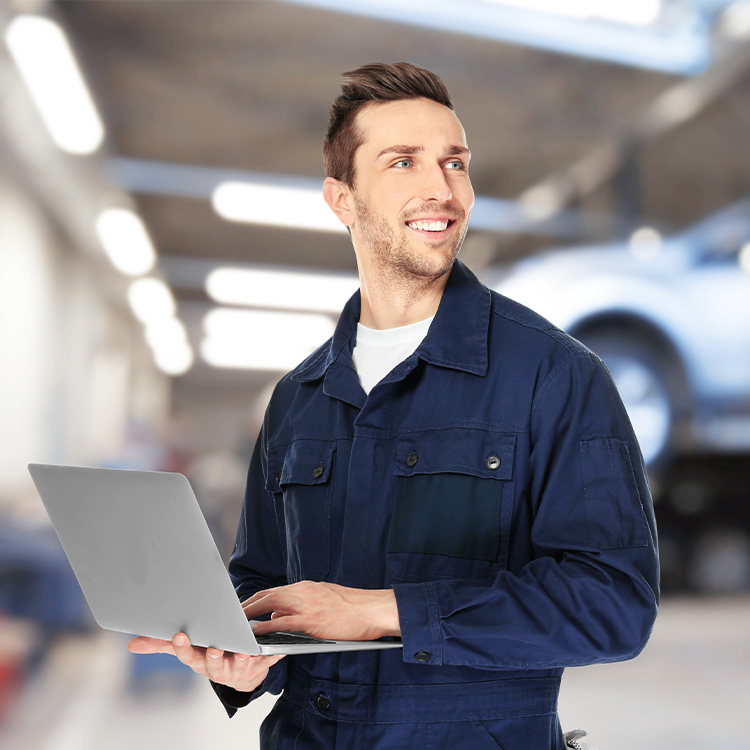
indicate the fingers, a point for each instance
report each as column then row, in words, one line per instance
column 325, row 610
column 282, row 599
column 194, row 657
column 257, row 595
column 260, row 604
column 279, row 622
column 144, row 645
column 240, row 671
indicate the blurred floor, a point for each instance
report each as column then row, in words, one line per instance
column 689, row 689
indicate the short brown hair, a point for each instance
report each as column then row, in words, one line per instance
column 376, row 82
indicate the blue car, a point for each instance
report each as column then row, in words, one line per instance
column 670, row 318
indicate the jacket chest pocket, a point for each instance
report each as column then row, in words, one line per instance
column 453, row 504
column 301, row 477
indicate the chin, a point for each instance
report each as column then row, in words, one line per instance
column 432, row 265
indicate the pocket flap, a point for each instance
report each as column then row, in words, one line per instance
column 301, row 462
column 458, row 450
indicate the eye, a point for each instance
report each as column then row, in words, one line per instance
column 402, row 163
column 456, row 164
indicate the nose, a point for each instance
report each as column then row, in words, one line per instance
column 435, row 185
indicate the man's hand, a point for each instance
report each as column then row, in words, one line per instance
column 326, row 610
column 238, row 671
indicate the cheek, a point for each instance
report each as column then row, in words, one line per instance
column 465, row 195
column 462, row 190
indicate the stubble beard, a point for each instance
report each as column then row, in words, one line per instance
column 395, row 257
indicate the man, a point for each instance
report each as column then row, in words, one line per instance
column 449, row 468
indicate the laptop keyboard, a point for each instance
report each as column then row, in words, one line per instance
column 285, row 639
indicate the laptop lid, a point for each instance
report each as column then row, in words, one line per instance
column 146, row 561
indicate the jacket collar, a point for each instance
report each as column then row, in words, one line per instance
column 458, row 337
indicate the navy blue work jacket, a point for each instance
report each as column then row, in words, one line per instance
column 493, row 480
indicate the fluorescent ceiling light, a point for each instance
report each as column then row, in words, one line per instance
column 151, row 300
column 677, row 104
column 645, row 243
column 126, row 241
column 744, row 257
column 165, row 332
column 281, row 289
column 175, row 359
column 735, row 21
column 153, row 304
column 542, row 201
column 46, row 63
column 628, row 32
column 635, row 12
column 276, row 205
column 558, row 7
column 259, row 340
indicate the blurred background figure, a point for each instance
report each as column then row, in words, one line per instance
column 165, row 254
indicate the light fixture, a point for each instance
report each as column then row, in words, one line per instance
column 46, row 62
column 645, row 243
column 261, row 340
column 632, row 12
column 174, row 359
column 164, row 332
column 743, row 257
column 541, row 202
column 676, row 105
column 558, row 7
column 735, row 20
column 281, row 289
column 126, row 241
column 168, row 340
column 151, row 300
column 275, row 205
column 655, row 35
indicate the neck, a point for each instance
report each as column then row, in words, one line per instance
column 400, row 300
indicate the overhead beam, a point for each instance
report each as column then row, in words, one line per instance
column 490, row 214
column 674, row 107
column 684, row 50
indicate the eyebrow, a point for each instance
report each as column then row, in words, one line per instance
column 402, row 149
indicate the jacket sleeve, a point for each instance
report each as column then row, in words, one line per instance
column 257, row 563
column 589, row 590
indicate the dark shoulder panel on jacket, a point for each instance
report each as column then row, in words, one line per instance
column 529, row 325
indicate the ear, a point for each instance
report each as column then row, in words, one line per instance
column 338, row 196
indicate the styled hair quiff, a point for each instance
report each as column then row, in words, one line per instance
column 368, row 84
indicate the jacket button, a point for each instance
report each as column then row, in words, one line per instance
column 318, row 472
column 493, row 462
column 422, row 656
column 323, row 702
column 278, row 477
column 411, row 460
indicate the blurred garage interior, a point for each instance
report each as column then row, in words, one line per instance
column 165, row 257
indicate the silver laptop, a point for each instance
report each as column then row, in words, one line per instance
column 147, row 563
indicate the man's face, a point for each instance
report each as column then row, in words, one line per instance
column 412, row 194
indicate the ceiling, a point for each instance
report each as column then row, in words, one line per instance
column 233, row 85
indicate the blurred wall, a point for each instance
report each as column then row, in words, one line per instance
column 75, row 369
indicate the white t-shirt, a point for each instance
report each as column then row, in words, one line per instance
column 377, row 352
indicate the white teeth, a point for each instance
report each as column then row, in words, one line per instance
column 428, row 226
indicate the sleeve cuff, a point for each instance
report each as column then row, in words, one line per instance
column 420, row 623
column 234, row 699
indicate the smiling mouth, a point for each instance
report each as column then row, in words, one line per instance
column 430, row 225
